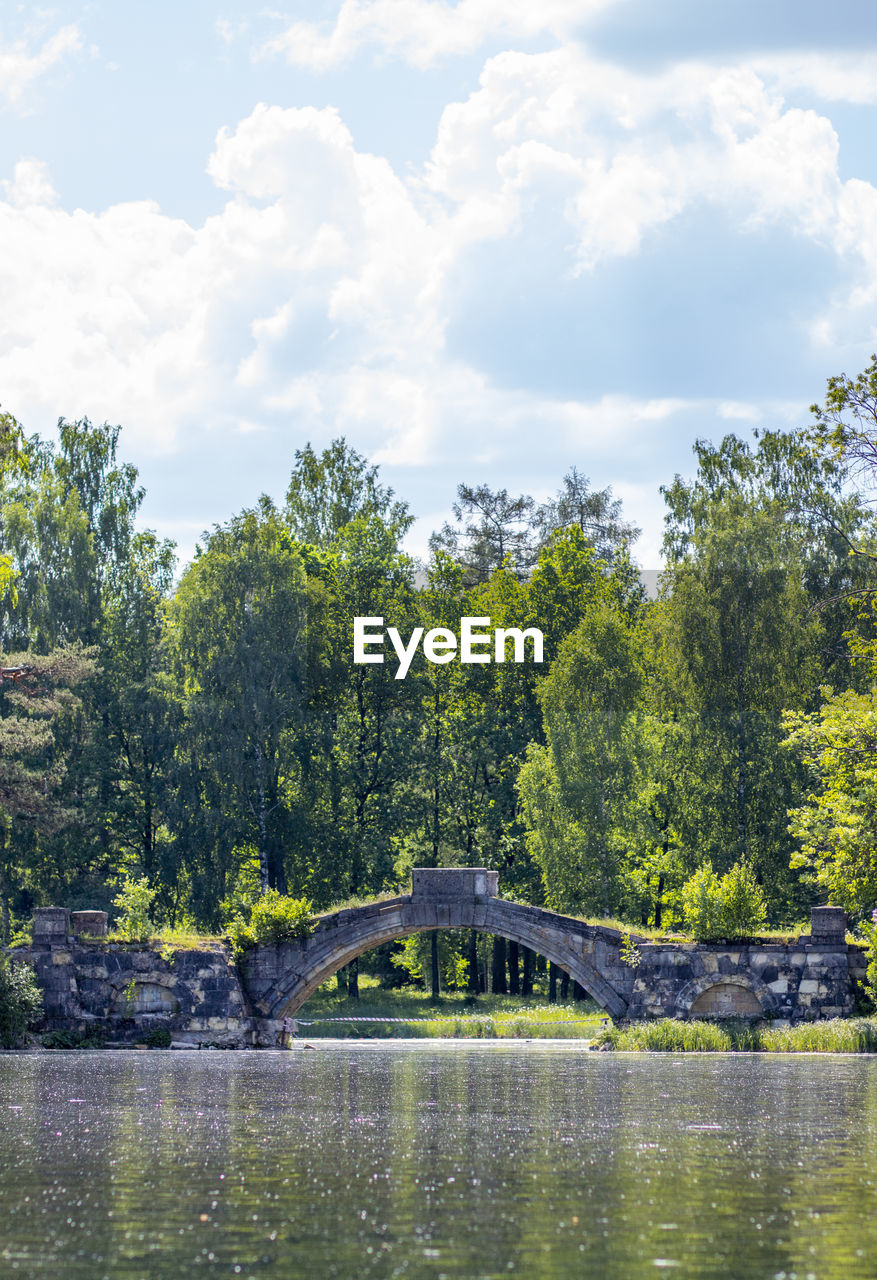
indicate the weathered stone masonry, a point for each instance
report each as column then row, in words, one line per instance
column 813, row 977
column 125, row 990
column 201, row 997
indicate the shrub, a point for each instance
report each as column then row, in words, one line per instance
column 730, row 907
column 743, row 909
column 93, row 1039
column 21, row 1001
column 702, row 903
column 869, row 933
column 275, row 917
column 159, row 1038
column 134, row 904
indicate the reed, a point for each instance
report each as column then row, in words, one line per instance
column 836, row 1035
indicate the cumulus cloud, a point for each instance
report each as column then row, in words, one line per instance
column 30, row 185
column 319, row 293
column 831, row 77
column 21, row 66
column 421, row 32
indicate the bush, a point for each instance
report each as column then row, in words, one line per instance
column 93, row 1039
column 134, row 904
column 869, row 934
column 21, row 1001
column 730, row 907
column 159, row 1038
column 275, row 917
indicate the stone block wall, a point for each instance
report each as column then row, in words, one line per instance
column 795, row 981
column 125, row 990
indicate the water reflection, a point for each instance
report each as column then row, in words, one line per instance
column 418, row 1160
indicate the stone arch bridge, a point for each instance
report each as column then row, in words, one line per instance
column 809, row 978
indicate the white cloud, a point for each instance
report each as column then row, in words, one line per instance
column 319, row 294
column 30, row 185
column 832, row 77
column 423, row 31
column 21, row 68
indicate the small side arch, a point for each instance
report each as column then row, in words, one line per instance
column 725, row 996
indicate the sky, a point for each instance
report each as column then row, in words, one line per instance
column 484, row 241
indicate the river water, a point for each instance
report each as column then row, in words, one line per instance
column 431, row 1159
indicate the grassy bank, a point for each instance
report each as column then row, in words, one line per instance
column 453, row 1015
column 836, row 1035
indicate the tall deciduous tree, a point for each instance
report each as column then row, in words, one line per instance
column 327, row 492
column 38, row 710
column 246, row 625
column 736, row 644
column 575, row 789
column 836, row 825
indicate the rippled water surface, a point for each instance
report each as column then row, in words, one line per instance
column 437, row 1160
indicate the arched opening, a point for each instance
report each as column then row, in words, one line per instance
column 279, row 978
column 294, row 988
column 726, row 1000
column 498, row 967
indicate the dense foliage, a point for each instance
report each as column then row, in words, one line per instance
column 21, row 1001
column 188, row 753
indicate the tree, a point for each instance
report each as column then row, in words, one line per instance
column 737, row 641
column 836, row 825
column 574, row 789
column 371, row 735
column 140, row 720
column 245, row 633
column 492, row 528
column 21, row 1001
column 38, row 714
column 327, row 493
column 594, row 511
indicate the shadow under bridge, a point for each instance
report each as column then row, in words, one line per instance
column 279, row 978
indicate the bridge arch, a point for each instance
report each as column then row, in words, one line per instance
column 280, row 978
column 725, row 996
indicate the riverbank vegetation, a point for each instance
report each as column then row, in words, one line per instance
column 702, row 761
column 21, row 1002
column 665, row 1035
column 412, row 1013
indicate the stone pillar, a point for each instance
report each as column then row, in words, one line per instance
column 93, row 923
column 51, row 926
column 828, row 926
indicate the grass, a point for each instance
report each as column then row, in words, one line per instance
column 172, row 939
column 835, row 1035
column 454, row 1015
column 345, row 904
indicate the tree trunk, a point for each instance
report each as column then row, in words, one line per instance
column 500, row 986
column 564, row 985
column 473, row 984
column 579, row 992
column 262, row 822
column 552, row 983
column 514, row 972
column 353, row 979
column 527, row 976
column 341, row 979
column 5, row 930
column 434, row 964
column 658, row 904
